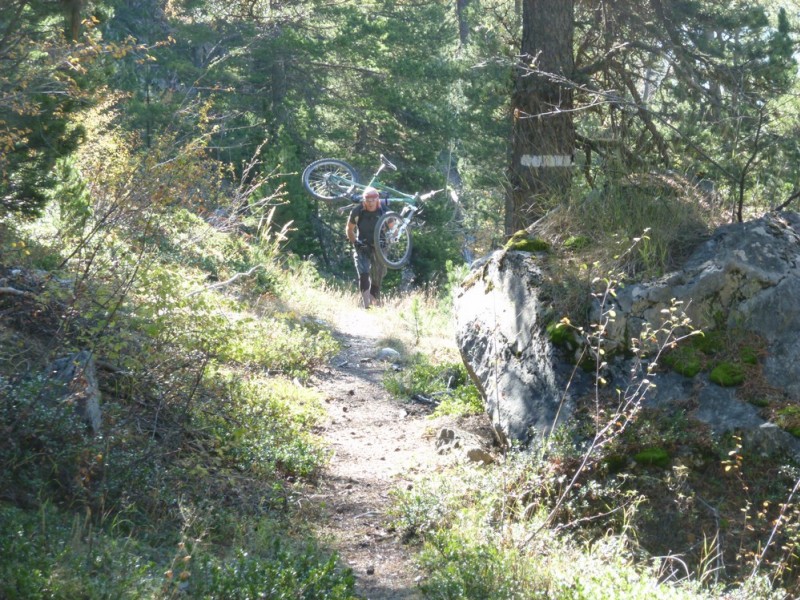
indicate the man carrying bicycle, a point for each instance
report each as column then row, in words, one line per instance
column 361, row 234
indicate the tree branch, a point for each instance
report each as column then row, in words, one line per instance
column 15, row 292
column 226, row 282
column 794, row 196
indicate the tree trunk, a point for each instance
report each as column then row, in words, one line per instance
column 73, row 14
column 463, row 25
column 543, row 134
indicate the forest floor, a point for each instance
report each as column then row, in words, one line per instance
column 379, row 444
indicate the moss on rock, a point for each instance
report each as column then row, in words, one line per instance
column 523, row 241
column 788, row 419
column 727, row 374
column 652, row 457
column 685, row 360
column 560, row 335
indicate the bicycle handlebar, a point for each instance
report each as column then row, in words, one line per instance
column 430, row 194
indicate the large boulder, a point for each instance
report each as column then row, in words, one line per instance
column 500, row 330
column 745, row 277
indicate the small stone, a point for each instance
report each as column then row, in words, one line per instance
column 388, row 354
column 477, row 454
column 370, row 570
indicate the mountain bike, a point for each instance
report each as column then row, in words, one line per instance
column 336, row 181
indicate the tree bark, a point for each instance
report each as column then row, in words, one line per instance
column 463, row 25
column 543, row 133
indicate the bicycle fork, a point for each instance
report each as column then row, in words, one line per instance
column 399, row 227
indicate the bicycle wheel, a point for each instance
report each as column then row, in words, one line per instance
column 392, row 241
column 329, row 179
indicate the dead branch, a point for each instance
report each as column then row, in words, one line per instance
column 794, row 196
column 226, row 282
column 15, row 292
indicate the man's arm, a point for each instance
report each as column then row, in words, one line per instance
column 351, row 230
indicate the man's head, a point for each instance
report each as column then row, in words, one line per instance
column 371, row 198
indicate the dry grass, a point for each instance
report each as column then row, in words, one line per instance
column 411, row 322
column 665, row 217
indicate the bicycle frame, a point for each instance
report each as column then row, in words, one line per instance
column 333, row 180
column 388, row 193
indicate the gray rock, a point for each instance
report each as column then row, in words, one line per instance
column 388, row 355
column 746, row 277
column 78, row 377
column 478, row 454
column 500, row 334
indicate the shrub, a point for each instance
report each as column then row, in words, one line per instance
column 448, row 385
column 280, row 344
column 263, row 428
column 280, row 572
column 45, row 451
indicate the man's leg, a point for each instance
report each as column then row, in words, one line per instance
column 361, row 259
column 377, row 272
column 363, row 286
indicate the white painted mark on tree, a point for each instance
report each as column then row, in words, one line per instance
column 546, row 160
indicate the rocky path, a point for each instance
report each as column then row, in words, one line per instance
column 380, row 444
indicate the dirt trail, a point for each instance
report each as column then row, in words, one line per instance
column 380, row 444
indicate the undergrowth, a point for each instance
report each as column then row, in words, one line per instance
column 447, row 386
column 629, row 502
column 201, row 360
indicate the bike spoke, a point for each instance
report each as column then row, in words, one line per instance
column 394, row 241
column 329, row 179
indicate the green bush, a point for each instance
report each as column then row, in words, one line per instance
column 465, row 567
column 263, row 428
column 447, row 384
column 49, row 555
column 477, row 566
column 279, row 344
column 419, row 511
column 45, row 451
column 278, row 572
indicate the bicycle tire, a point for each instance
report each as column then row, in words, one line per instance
column 318, row 181
column 394, row 249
